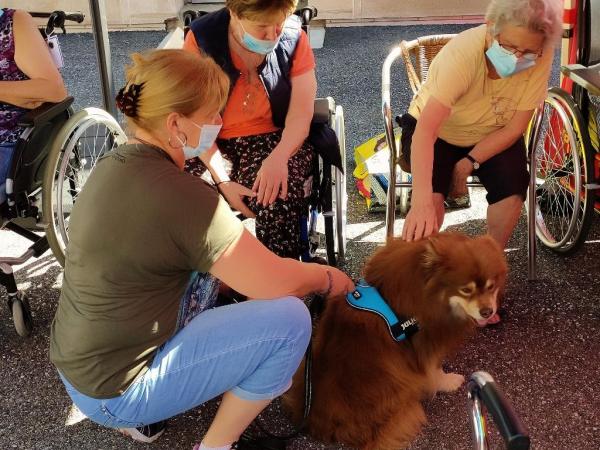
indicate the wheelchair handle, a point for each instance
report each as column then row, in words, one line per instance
column 482, row 387
column 307, row 14
column 57, row 19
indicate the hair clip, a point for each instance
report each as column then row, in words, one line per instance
column 127, row 99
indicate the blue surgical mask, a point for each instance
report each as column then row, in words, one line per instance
column 208, row 135
column 263, row 47
column 505, row 63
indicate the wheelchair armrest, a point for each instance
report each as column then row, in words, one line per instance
column 44, row 113
column 324, row 109
column 588, row 77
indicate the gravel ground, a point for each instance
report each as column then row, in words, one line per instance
column 545, row 354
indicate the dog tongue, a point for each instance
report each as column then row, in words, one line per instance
column 482, row 322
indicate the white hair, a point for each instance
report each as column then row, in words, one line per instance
column 539, row 16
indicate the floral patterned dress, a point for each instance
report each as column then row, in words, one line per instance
column 9, row 114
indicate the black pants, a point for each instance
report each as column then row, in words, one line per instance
column 503, row 175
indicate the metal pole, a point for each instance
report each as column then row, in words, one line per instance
column 100, row 29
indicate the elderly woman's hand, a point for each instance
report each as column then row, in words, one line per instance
column 234, row 193
column 421, row 221
column 272, row 179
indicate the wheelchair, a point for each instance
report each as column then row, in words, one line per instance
column 327, row 210
column 52, row 160
column 565, row 139
column 328, row 198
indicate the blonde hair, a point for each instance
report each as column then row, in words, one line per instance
column 258, row 9
column 538, row 16
column 159, row 82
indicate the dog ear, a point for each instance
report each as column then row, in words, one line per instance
column 437, row 249
column 432, row 254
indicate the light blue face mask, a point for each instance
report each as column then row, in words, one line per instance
column 505, row 63
column 208, row 135
column 1, row 12
column 263, row 47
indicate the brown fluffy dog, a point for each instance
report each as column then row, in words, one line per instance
column 368, row 388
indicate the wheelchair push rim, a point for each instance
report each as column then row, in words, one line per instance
column 87, row 136
column 335, row 201
column 341, row 196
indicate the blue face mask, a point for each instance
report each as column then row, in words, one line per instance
column 263, row 47
column 1, row 12
column 208, row 135
column 505, row 63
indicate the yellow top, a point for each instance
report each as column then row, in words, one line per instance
column 458, row 78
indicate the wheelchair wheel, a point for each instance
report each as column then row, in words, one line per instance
column 563, row 169
column 85, row 137
column 336, row 199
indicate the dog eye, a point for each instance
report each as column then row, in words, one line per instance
column 467, row 290
column 490, row 285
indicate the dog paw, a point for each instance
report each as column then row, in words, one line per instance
column 450, row 382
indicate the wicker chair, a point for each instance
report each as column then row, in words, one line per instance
column 418, row 54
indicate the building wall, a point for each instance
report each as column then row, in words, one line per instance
column 143, row 14
column 398, row 10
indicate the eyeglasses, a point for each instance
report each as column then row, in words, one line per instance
column 525, row 54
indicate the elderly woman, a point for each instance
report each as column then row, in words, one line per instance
column 469, row 116
column 266, row 120
column 28, row 77
column 136, row 337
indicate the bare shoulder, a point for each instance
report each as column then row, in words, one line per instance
column 23, row 26
column 23, row 20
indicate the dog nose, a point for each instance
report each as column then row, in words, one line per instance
column 486, row 312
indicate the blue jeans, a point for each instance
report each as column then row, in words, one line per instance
column 251, row 349
column 6, row 153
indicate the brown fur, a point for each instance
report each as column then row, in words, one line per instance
column 367, row 388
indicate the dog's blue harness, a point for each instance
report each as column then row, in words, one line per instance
column 367, row 298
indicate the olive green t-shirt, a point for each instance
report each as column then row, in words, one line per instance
column 139, row 230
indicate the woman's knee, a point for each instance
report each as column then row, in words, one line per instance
column 293, row 315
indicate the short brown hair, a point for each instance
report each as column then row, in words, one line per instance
column 254, row 9
column 175, row 81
